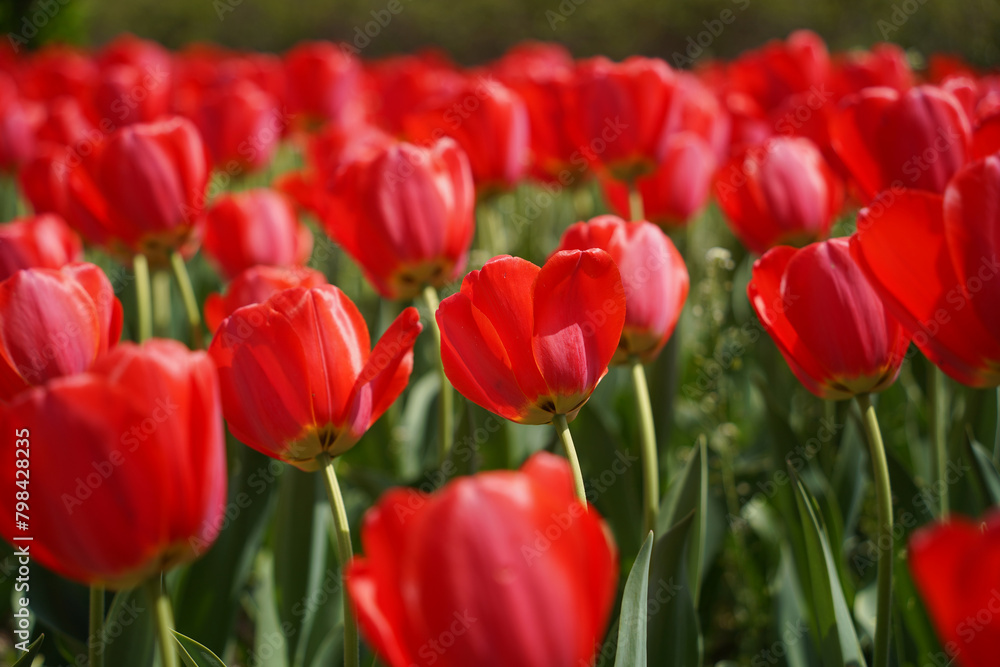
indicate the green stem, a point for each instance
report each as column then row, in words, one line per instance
column 164, row 616
column 935, row 422
column 190, row 302
column 144, row 306
column 161, row 303
column 885, row 544
column 635, row 207
column 345, row 554
column 562, row 428
column 648, row 451
column 446, row 404
column 95, row 639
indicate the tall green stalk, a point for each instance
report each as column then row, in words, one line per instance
column 446, row 404
column 648, row 450
column 562, row 429
column 345, row 552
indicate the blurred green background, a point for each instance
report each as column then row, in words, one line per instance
column 482, row 29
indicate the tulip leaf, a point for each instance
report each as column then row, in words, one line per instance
column 129, row 633
column 632, row 622
column 269, row 640
column 194, row 654
column 688, row 492
column 28, row 656
column 831, row 615
column 987, row 471
column 674, row 634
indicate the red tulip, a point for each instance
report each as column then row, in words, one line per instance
column 66, row 124
column 17, row 126
column 405, row 214
column 400, row 84
column 56, row 70
column 128, row 464
column 674, row 194
column 133, row 83
column 324, row 84
column 884, row 65
column 778, row 70
column 476, row 563
column 145, row 190
column 933, row 260
column 256, row 285
column 827, row 321
column 780, row 192
column 54, row 322
column 956, row 569
column 241, row 124
column 298, row 375
column 652, row 272
column 915, row 140
column 489, row 122
column 254, row 227
column 43, row 242
column 529, row 343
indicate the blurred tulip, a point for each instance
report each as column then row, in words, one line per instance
column 398, row 85
column 489, row 122
column 66, row 124
column 467, row 562
column 252, row 227
column 241, row 125
column 143, row 486
column 827, row 321
column 299, row 377
column 954, row 567
column 530, row 343
column 405, row 214
column 133, row 82
column 56, row 70
column 780, row 69
column 54, row 322
column 915, row 140
column 324, row 84
column 256, row 285
column 144, row 191
column 884, row 65
column 42, row 242
column 933, row 259
column 674, row 194
column 653, row 274
column 781, row 192
column 18, row 123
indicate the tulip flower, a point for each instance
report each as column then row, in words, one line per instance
column 144, row 192
column 530, row 343
column 674, row 194
column 143, row 486
column 17, row 126
column 954, row 567
column 324, row 84
column 489, row 122
column 405, row 214
column 933, row 260
column 56, row 70
column 781, row 192
column 240, row 123
column 830, row 325
column 915, row 140
column 299, row 378
column 256, row 285
column 466, row 562
column 884, row 65
column 54, row 322
column 42, row 242
column 66, row 124
column 133, row 82
column 254, row 227
column 400, row 84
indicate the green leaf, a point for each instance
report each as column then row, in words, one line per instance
column 688, row 493
column 194, row 654
column 269, row 640
column 29, row 656
column 831, row 616
column 632, row 622
column 987, row 471
column 128, row 629
column 674, row 633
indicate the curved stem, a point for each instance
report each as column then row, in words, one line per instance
column 95, row 638
column 635, row 208
column 562, row 428
column 164, row 615
column 648, row 451
column 935, row 422
column 345, row 552
column 885, row 545
column 446, row 404
column 143, row 297
column 161, row 303
column 190, row 302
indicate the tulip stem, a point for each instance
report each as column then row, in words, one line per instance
column 161, row 303
column 562, row 428
column 885, row 545
column 95, row 640
column 164, row 615
column 344, row 555
column 143, row 297
column 190, row 302
column 935, row 422
column 648, row 451
column 446, row 404
column 635, row 207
